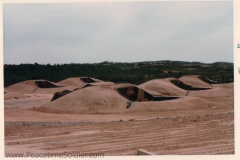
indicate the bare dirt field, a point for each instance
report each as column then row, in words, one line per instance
column 95, row 120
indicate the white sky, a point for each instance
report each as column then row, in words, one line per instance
column 121, row 32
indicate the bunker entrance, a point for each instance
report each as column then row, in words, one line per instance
column 60, row 94
column 136, row 94
column 45, row 84
column 185, row 86
column 87, row 80
column 65, row 92
column 207, row 80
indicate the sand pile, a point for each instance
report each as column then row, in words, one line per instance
column 23, row 87
column 195, row 82
column 183, row 103
column 75, row 81
column 164, row 87
column 107, row 99
column 78, row 83
column 220, row 90
column 95, row 99
column 204, row 79
column 81, row 81
column 37, row 87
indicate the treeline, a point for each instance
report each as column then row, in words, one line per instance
column 134, row 73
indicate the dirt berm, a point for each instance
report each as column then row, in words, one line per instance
column 164, row 86
column 195, row 82
column 106, row 99
column 38, row 87
column 81, row 81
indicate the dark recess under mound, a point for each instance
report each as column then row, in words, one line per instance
column 136, row 94
column 60, row 94
column 45, row 84
column 207, row 80
column 185, row 86
column 65, row 92
column 87, row 80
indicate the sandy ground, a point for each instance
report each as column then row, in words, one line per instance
column 202, row 124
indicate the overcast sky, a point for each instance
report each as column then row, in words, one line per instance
column 121, row 32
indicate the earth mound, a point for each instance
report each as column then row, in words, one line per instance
column 106, row 99
column 95, row 99
column 164, row 87
column 116, row 99
column 37, row 87
column 217, row 91
column 204, row 79
column 81, row 81
column 195, row 82
column 183, row 103
column 23, row 87
column 46, row 84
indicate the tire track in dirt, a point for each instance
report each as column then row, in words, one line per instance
column 207, row 135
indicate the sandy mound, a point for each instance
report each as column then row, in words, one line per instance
column 75, row 81
column 195, row 82
column 52, row 90
column 62, row 93
column 23, row 87
column 95, row 99
column 107, row 99
column 14, row 95
column 164, row 86
column 80, row 81
column 204, row 79
column 37, row 87
column 184, row 103
column 215, row 92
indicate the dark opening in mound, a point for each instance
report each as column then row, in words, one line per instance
column 60, row 94
column 87, row 80
column 207, row 80
column 163, row 98
column 133, row 94
column 65, row 92
column 185, row 86
column 45, row 84
column 136, row 94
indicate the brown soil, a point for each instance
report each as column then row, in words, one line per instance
column 14, row 95
column 207, row 134
column 96, row 120
column 195, row 82
column 164, row 86
column 81, row 81
column 30, row 87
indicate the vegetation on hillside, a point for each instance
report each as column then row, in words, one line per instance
column 135, row 73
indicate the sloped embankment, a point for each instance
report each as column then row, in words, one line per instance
column 164, row 87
